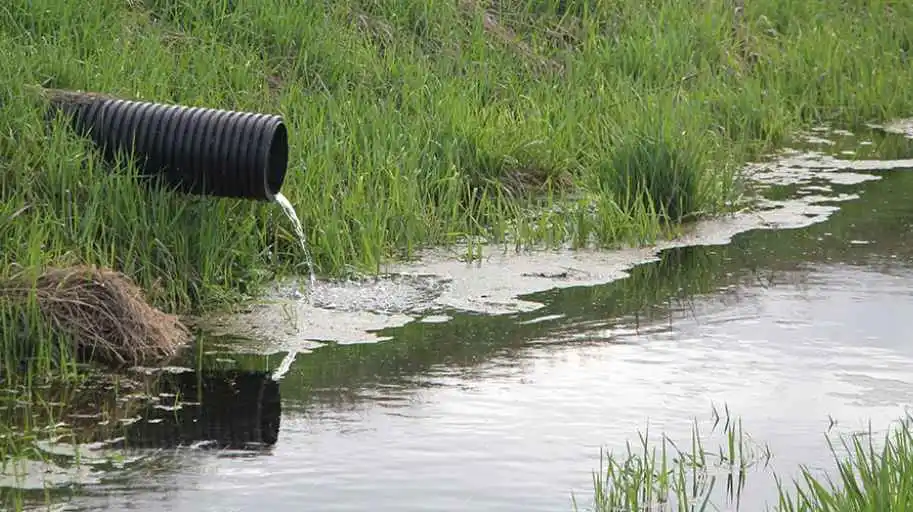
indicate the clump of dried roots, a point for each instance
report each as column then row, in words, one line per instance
column 104, row 313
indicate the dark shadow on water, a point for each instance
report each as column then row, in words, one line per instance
column 229, row 401
column 231, row 412
column 224, row 409
column 212, row 408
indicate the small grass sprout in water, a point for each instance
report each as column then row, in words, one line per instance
column 867, row 479
column 677, row 478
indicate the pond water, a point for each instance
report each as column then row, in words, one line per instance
column 494, row 386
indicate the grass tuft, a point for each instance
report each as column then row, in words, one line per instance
column 698, row 478
column 867, row 479
column 655, row 167
column 102, row 312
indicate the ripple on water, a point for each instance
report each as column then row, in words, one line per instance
column 453, row 439
column 521, row 427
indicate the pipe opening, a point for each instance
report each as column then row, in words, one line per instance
column 277, row 162
column 193, row 149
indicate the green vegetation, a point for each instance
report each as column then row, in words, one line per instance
column 413, row 124
column 694, row 478
column 340, row 374
column 416, row 123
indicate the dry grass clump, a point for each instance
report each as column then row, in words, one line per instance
column 103, row 312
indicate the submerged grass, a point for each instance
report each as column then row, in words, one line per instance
column 417, row 123
column 695, row 478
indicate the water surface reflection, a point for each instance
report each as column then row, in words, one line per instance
column 793, row 329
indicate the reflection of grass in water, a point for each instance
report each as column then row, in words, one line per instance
column 679, row 275
column 50, row 425
column 884, row 147
column 467, row 340
column 688, row 478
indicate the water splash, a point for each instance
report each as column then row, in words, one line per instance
column 299, row 231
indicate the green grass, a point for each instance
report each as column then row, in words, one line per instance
column 868, row 477
column 420, row 123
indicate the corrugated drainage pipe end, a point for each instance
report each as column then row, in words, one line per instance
column 276, row 161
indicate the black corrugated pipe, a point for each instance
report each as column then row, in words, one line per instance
column 196, row 150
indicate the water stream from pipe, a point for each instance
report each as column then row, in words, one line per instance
column 299, row 232
column 302, row 239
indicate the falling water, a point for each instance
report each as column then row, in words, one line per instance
column 299, row 231
column 285, row 365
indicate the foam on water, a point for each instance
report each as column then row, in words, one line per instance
column 818, row 344
column 900, row 127
column 351, row 311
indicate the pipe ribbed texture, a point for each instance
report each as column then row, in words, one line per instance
column 196, row 150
